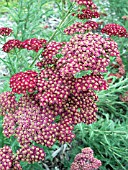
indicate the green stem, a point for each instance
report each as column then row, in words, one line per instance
column 61, row 23
column 36, row 57
column 107, row 131
column 63, row 5
column 12, row 70
column 53, row 35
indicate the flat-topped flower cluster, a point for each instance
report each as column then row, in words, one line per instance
column 85, row 161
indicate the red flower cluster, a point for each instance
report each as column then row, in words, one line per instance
column 33, row 44
column 88, row 14
column 79, row 27
column 24, row 81
column 9, row 45
column 54, row 100
column 86, row 52
column 85, row 161
column 30, row 44
column 4, row 31
column 58, row 92
column 114, row 29
column 87, row 3
column 6, row 158
column 7, row 103
column 10, row 161
column 90, row 10
column 49, row 54
column 30, row 154
column 52, row 49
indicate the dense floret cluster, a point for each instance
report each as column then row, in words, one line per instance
column 49, row 54
column 54, row 100
column 79, row 27
column 8, row 103
column 11, row 44
column 115, row 30
column 88, row 14
column 6, row 158
column 55, row 91
column 24, row 81
column 4, row 31
column 30, row 154
column 30, row 44
column 33, row 44
column 86, row 52
column 85, row 161
column 87, row 3
column 52, row 49
column 9, row 161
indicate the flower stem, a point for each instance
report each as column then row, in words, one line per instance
column 61, row 23
column 53, row 35
column 63, row 5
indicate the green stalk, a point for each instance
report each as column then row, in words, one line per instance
column 53, row 35
column 63, row 5
column 61, row 23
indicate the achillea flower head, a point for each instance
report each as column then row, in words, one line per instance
column 4, row 31
column 45, row 62
column 8, row 103
column 30, row 154
column 11, row 44
column 33, row 44
column 16, row 165
column 29, row 124
column 65, row 133
column 88, row 13
column 79, row 27
column 6, row 158
column 87, row 3
column 9, row 123
column 80, row 107
column 51, row 84
column 114, row 30
column 95, row 82
column 86, row 52
column 23, row 82
column 52, row 49
column 85, row 161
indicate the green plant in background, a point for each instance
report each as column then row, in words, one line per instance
column 59, row 75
